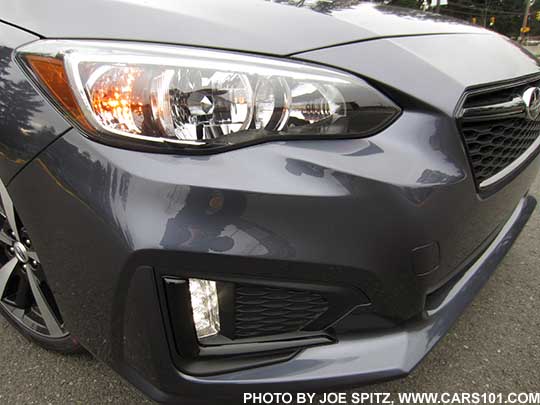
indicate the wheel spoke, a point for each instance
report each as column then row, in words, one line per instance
column 8, row 209
column 5, row 238
column 32, row 255
column 5, row 273
column 12, row 239
column 47, row 314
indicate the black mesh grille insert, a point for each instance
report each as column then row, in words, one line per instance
column 495, row 143
column 263, row 311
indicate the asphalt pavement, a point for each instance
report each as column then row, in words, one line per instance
column 494, row 347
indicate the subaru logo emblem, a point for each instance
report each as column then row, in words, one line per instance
column 531, row 97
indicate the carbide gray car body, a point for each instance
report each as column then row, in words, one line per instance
column 312, row 208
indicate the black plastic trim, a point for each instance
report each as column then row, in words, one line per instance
column 177, row 267
column 191, row 357
column 485, row 192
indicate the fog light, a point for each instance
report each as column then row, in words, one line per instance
column 204, row 302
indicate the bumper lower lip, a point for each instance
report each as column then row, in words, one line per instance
column 363, row 359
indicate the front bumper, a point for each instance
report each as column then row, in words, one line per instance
column 109, row 220
column 365, row 358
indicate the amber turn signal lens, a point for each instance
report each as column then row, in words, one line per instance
column 51, row 73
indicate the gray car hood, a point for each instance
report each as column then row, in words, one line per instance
column 247, row 25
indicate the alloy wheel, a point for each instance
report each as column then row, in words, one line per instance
column 24, row 293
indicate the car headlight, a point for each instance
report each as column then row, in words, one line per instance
column 168, row 97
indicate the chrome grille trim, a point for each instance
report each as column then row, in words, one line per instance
column 513, row 108
column 498, row 106
column 513, row 166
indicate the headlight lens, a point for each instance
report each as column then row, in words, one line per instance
column 152, row 96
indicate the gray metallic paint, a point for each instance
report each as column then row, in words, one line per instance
column 243, row 25
column 433, row 69
column 123, row 209
column 355, row 207
column 27, row 122
column 373, row 356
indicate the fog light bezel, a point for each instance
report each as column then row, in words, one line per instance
column 221, row 354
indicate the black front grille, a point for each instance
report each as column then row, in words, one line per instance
column 494, row 142
column 493, row 145
column 264, row 311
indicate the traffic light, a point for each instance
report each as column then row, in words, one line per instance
column 492, row 21
column 537, row 16
column 474, row 20
column 524, row 30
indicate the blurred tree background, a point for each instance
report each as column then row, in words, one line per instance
column 503, row 16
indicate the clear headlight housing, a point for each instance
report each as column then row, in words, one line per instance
column 165, row 97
